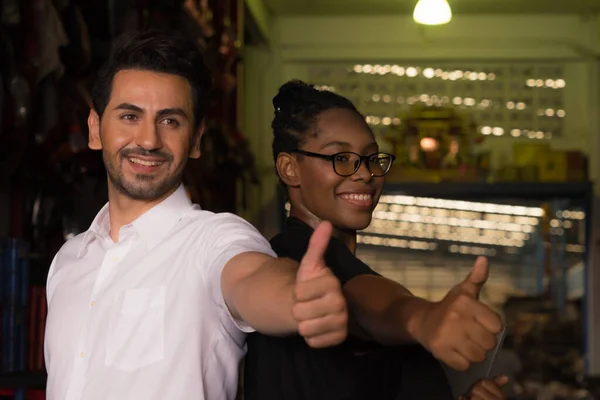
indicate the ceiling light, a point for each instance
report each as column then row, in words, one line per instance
column 432, row 12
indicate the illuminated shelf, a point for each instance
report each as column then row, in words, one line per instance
column 470, row 190
column 497, row 220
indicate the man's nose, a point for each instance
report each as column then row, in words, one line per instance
column 148, row 137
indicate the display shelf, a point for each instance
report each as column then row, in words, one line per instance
column 551, row 267
column 482, row 190
column 581, row 192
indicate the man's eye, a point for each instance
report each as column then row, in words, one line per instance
column 129, row 117
column 170, row 122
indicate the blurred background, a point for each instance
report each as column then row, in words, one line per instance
column 492, row 108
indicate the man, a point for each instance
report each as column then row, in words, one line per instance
column 154, row 300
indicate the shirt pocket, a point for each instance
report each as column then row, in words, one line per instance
column 136, row 331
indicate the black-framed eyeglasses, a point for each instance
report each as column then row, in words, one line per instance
column 346, row 163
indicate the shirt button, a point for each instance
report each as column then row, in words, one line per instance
column 92, row 304
column 115, row 259
column 82, row 354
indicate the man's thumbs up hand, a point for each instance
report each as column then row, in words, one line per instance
column 320, row 306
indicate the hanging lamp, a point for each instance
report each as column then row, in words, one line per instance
column 432, row 12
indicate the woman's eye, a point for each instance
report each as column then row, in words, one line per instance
column 341, row 158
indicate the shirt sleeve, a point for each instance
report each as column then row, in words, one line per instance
column 227, row 237
column 50, row 285
column 49, row 281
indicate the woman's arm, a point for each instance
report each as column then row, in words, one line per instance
column 458, row 330
column 383, row 309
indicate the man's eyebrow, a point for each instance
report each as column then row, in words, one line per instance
column 129, row 107
column 172, row 111
column 160, row 113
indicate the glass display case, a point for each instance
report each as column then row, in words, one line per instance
column 535, row 235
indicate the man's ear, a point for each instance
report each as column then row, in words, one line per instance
column 94, row 141
column 197, row 141
column 287, row 169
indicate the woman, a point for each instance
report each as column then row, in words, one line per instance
column 329, row 163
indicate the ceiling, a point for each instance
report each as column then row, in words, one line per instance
column 384, row 7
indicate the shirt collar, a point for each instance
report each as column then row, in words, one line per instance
column 100, row 228
column 152, row 226
column 295, row 222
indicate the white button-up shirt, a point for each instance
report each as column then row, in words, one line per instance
column 145, row 318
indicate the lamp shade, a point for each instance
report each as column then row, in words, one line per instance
column 432, row 12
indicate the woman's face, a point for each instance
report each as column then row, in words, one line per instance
column 347, row 202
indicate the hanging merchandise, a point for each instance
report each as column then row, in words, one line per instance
column 201, row 13
column 4, row 66
column 96, row 16
column 229, row 52
column 10, row 14
column 19, row 90
column 48, row 104
column 77, row 53
column 226, row 160
column 16, row 112
column 51, row 37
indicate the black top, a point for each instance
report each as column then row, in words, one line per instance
column 288, row 369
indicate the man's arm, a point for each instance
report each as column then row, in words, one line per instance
column 277, row 296
column 259, row 289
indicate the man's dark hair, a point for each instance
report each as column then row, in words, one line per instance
column 156, row 51
column 297, row 107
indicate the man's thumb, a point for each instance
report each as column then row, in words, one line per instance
column 313, row 262
column 477, row 277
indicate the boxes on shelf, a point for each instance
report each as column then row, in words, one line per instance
column 539, row 162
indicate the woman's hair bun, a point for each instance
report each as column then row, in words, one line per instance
column 293, row 94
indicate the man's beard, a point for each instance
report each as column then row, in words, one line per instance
column 144, row 187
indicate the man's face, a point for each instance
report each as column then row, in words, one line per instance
column 146, row 133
